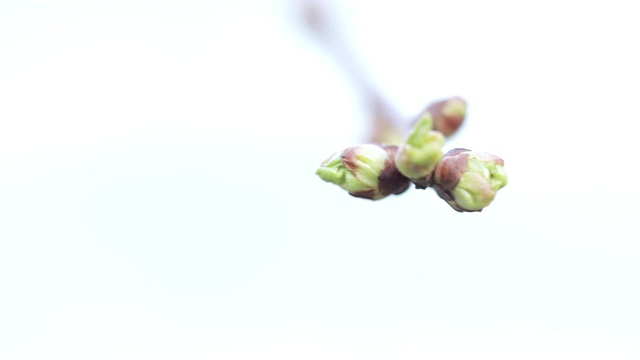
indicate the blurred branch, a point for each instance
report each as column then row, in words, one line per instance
column 467, row 180
column 385, row 122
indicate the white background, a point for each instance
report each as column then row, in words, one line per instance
column 158, row 197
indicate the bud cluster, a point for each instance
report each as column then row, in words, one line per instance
column 467, row 180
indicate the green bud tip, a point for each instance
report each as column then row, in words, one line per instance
column 419, row 154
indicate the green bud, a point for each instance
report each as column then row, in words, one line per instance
column 365, row 171
column 448, row 115
column 469, row 180
column 419, row 154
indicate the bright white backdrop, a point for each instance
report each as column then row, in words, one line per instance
column 157, row 196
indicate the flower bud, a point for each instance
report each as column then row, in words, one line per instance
column 365, row 171
column 419, row 154
column 469, row 180
column 448, row 115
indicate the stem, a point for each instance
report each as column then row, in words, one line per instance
column 385, row 122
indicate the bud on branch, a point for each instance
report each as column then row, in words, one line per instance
column 365, row 171
column 448, row 115
column 419, row 154
column 469, row 180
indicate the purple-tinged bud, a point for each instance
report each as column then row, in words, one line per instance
column 365, row 171
column 448, row 115
column 469, row 180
